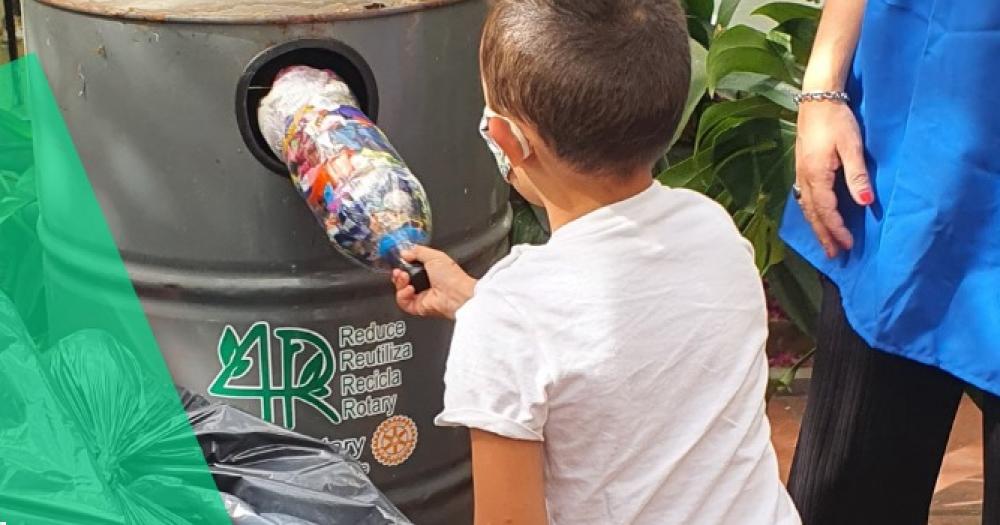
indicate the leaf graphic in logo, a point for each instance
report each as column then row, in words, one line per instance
column 233, row 350
column 241, row 367
column 321, row 393
column 227, row 345
column 311, row 375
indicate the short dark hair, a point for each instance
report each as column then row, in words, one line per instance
column 603, row 81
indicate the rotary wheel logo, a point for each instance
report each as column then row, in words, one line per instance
column 394, row 441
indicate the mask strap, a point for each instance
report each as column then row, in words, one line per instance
column 518, row 134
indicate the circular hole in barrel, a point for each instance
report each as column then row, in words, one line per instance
column 259, row 76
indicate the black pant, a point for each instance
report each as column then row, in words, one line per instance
column 875, row 431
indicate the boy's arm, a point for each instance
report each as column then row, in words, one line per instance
column 508, row 480
column 497, row 384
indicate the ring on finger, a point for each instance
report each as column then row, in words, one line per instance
column 796, row 192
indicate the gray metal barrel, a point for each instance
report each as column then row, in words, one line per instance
column 249, row 302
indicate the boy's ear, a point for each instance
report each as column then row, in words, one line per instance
column 505, row 138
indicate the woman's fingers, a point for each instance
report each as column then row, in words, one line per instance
column 819, row 205
column 819, row 229
column 824, row 204
column 852, row 156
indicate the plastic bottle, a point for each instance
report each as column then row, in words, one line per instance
column 356, row 184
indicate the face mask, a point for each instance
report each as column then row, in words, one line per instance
column 502, row 161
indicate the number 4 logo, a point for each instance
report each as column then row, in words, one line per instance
column 309, row 385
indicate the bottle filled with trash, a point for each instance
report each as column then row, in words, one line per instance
column 367, row 200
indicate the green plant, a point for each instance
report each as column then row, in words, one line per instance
column 528, row 225
column 739, row 128
column 743, row 117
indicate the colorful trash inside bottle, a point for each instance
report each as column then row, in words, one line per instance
column 367, row 200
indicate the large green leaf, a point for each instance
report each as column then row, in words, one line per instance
column 699, row 20
column 762, row 232
column 733, row 158
column 696, row 91
column 700, row 32
column 740, row 170
column 795, row 284
column 725, row 173
column 798, row 21
column 741, row 144
column 751, row 159
column 777, row 181
column 736, row 85
column 726, row 10
column 782, row 43
column 722, row 116
column 738, row 36
column 801, row 33
column 689, row 173
column 744, row 49
column 700, row 9
column 782, row 12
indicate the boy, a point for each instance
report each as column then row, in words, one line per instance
column 615, row 375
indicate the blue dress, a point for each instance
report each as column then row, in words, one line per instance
column 923, row 280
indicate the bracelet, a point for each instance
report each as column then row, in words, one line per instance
column 818, row 96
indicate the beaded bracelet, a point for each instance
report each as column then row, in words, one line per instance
column 817, row 96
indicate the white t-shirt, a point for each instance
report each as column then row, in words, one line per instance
column 632, row 344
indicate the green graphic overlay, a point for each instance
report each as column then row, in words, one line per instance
column 91, row 427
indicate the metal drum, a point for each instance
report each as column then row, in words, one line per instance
column 249, row 302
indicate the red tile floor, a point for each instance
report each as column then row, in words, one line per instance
column 959, row 492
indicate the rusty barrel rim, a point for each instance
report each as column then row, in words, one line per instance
column 333, row 11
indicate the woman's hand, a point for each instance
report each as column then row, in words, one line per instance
column 450, row 288
column 829, row 139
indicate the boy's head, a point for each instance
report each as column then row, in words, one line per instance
column 601, row 82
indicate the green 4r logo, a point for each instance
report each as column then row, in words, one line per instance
column 310, row 385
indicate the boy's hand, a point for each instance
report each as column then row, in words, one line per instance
column 450, row 288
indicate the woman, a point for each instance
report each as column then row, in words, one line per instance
column 898, row 196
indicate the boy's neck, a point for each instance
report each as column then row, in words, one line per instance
column 578, row 194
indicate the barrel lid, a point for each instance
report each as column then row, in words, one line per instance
column 244, row 11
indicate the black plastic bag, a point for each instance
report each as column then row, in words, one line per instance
column 88, row 434
column 272, row 476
